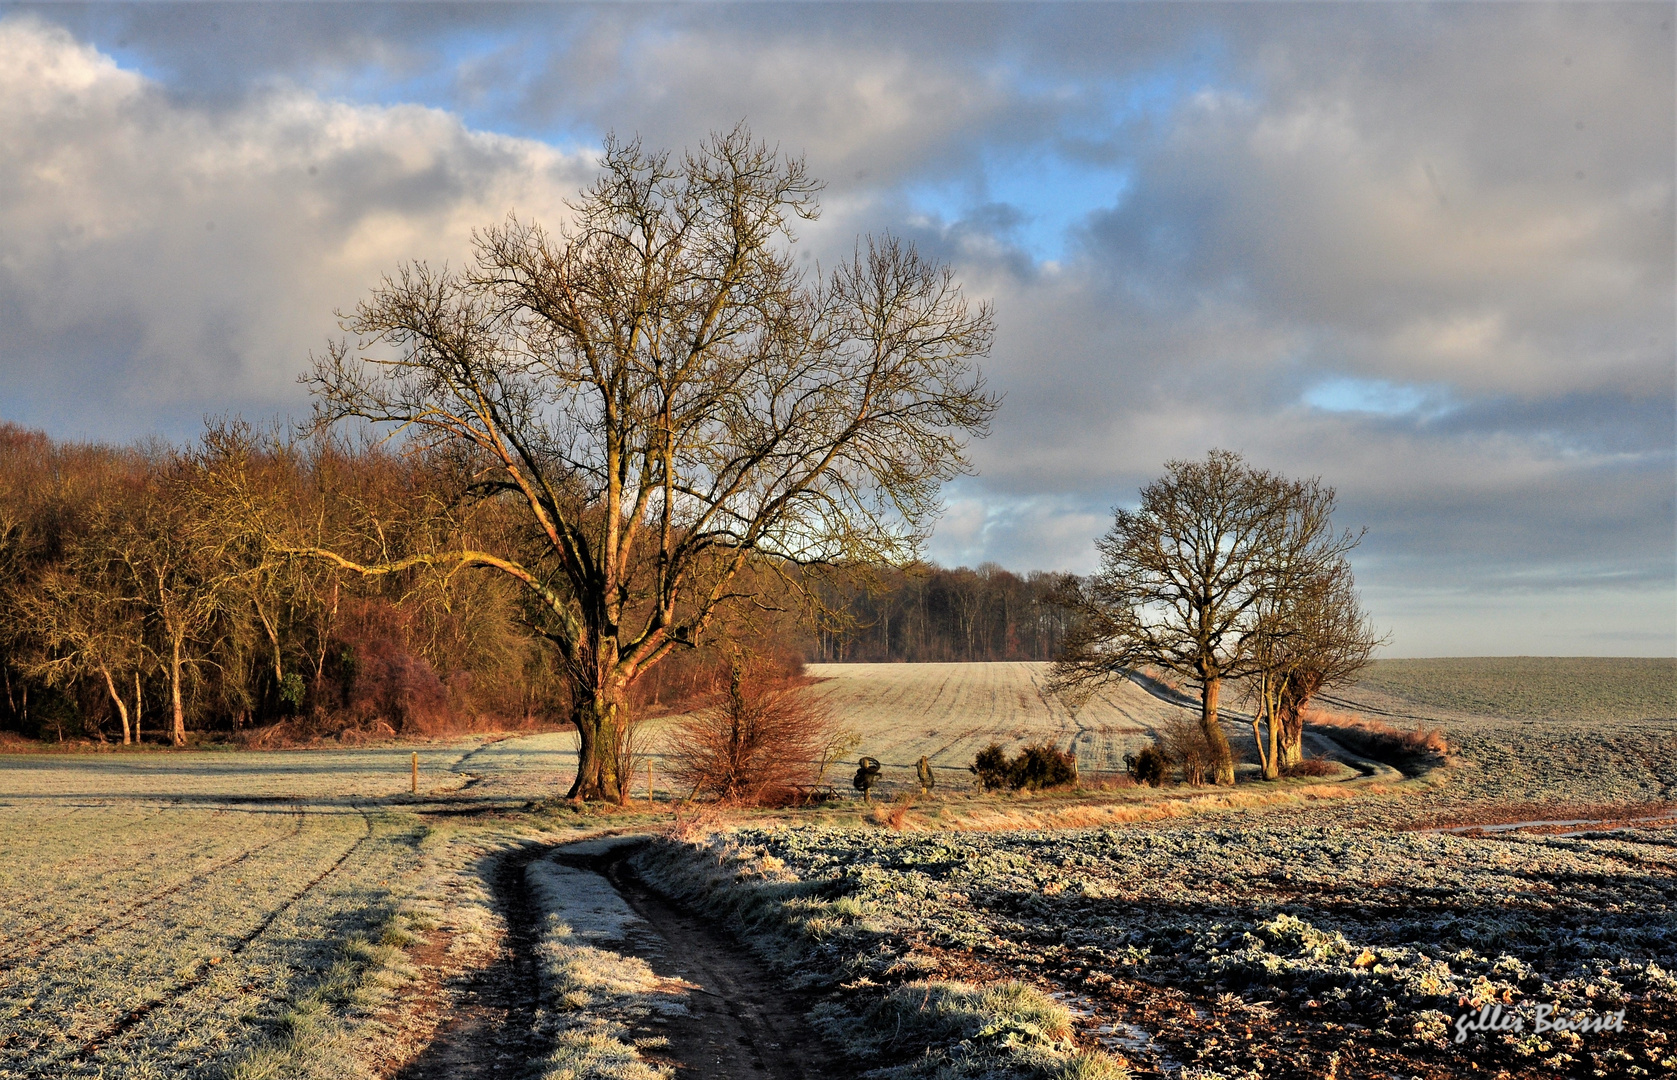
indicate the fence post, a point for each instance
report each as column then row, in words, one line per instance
column 416, row 772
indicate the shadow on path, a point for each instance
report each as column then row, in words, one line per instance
column 742, row 1023
column 492, row 1032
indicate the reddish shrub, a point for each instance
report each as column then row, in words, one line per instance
column 378, row 678
column 757, row 738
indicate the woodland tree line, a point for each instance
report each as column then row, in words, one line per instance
column 133, row 577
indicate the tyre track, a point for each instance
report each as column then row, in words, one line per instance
column 87, row 884
column 122, row 1026
column 131, row 914
column 742, row 1022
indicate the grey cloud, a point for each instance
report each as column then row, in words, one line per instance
column 165, row 260
column 1473, row 197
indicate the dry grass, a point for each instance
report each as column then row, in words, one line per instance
column 1419, row 746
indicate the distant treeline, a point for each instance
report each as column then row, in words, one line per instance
column 137, row 596
column 929, row 614
column 141, row 595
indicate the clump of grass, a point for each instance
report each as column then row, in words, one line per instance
column 314, row 1038
column 1093, row 1065
column 953, row 1029
column 1313, row 767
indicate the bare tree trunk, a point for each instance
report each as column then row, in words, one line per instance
column 1272, row 768
column 179, row 733
column 597, row 718
column 1219, row 742
column 121, row 706
column 1269, row 754
column 1292, row 734
column 139, row 703
column 1299, row 691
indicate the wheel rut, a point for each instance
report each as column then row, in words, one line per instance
column 492, row 1031
column 742, row 1023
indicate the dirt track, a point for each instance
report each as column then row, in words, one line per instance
column 742, row 1022
column 492, row 1032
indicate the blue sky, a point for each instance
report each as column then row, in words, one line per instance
column 1425, row 252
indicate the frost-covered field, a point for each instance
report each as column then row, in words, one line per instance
column 146, row 940
column 949, row 712
column 1528, row 687
column 1246, row 948
column 238, row 915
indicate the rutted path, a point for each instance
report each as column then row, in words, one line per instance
column 742, row 1023
column 492, row 1032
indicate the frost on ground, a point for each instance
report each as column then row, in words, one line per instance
column 1263, row 948
column 266, row 915
column 595, row 995
column 882, row 1015
column 175, row 941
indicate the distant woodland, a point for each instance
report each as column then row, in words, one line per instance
column 141, row 600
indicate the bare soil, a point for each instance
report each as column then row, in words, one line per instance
column 742, row 1022
column 492, row 1030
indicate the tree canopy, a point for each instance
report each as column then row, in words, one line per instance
column 675, row 407
column 1223, row 571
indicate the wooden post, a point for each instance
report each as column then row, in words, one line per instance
column 416, row 772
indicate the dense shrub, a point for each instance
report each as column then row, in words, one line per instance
column 1038, row 766
column 992, row 768
column 757, row 738
column 1309, row 767
column 1147, row 767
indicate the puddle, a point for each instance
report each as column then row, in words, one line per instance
column 1510, row 826
column 1114, row 1035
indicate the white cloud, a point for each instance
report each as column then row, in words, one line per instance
column 163, row 256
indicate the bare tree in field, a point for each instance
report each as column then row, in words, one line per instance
column 1182, row 582
column 670, row 401
column 1315, row 636
column 1308, row 629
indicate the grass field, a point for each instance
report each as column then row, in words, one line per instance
column 154, row 940
column 250, row 915
column 1531, row 687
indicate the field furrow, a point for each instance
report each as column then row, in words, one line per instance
column 82, row 1001
column 122, row 894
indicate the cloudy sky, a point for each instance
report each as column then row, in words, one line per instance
column 1425, row 252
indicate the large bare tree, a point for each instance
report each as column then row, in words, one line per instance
column 671, row 400
column 1308, row 628
column 1187, row 578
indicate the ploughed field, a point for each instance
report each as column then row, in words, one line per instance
column 222, row 914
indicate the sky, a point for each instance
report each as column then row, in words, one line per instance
column 1424, row 252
